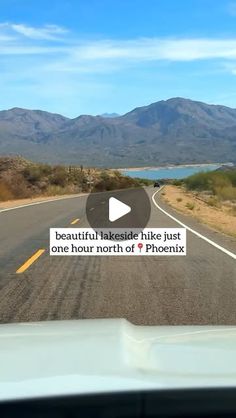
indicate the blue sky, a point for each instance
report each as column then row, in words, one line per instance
column 95, row 56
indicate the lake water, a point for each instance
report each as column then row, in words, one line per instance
column 169, row 172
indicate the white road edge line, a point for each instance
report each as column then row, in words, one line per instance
column 43, row 201
column 229, row 253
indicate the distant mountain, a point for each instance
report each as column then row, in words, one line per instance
column 110, row 115
column 31, row 124
column 175, row 131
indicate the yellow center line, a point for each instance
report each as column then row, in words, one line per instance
column 75, row 221
column 30, row 261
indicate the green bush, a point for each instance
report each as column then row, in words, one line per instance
column 190, row 206
column 177, row 182
column 226, row 193
column 32, row 174
column 59, row 176
column 232, row 176
column 144, row 182
column 198, row 181
column 221, row 184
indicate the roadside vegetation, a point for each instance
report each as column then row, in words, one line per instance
column 144, row 182
column 221, row 185
column 215, row 187
column 20, row 178
column 208, row 196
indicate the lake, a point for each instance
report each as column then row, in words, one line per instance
column 176, row 172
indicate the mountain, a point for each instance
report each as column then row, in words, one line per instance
column 175, row 131
column 33, row 124
column 110, row 115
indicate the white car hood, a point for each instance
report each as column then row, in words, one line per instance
column 103, row 355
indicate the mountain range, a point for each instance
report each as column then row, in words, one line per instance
column 173, row 131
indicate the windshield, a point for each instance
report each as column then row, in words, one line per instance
column 118, row 161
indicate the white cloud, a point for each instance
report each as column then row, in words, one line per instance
column 20, row 39
column 47, row 32
column 49, row 63
column 154, row 49
column 54, row 50
column 109, row 56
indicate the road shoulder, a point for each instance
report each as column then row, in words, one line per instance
column 219, row 238
column 13, row 204
column 217, row 218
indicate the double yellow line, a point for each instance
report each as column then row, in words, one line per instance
column 36, row 255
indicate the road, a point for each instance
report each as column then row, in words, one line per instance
column 163, row 290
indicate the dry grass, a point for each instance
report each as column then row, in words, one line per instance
column 219, row 217
column 5, row 193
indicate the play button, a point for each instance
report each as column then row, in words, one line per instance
column 117, row 209
column 126, row 209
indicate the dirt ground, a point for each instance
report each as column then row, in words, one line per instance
column 186, row 202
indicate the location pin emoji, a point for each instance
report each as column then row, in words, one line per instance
column 140, row 246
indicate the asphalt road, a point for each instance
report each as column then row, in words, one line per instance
column 197, row 289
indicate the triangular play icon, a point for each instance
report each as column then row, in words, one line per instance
column 117, row 209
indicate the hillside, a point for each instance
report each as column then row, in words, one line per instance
column 20, row 178
column 175, row 131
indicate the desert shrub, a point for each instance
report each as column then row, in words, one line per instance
column 226, row 193
column 190, row 205
column 37, row 172
column 104, row 176
column 179, row 199
column 59, row 176
column 76, row 177
column 220, row 184
column 197, row 181
column 53, row 190
column 45, row 169
column 32, row 174
column 213, row 201
column 117, row 173
column 144, row 182
column 115, row 182
column 232, row 176
column 177, row 182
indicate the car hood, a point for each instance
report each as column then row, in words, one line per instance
column 103, row 355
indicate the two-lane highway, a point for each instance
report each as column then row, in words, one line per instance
column 197, row 289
